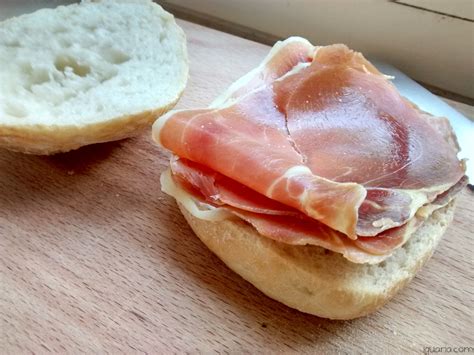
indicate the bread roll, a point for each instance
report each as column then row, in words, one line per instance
column 87, row 73
column 312, row 279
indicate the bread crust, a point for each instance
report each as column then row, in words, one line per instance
column 49, row 139
column 312, row 279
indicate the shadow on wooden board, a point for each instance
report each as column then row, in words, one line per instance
column 34, row 181
column 78, row 161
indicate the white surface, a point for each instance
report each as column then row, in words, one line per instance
column 431, row 48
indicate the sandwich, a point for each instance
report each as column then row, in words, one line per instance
column 86, row 73
column 314, row 179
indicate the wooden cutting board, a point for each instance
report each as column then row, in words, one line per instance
column 95, row 258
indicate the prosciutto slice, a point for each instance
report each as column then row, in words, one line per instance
column 319, row 133
column 273, row 219
column 276, row 221
column 284, row 57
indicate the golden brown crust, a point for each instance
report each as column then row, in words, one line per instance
column 312, row 279
column 47, row 139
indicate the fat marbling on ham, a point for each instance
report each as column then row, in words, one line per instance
column 315, row 146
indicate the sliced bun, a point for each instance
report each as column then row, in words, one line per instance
column 314, row 280
column 87, row 73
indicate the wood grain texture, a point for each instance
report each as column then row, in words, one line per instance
column 95, row 258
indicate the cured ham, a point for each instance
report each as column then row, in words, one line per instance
column 248, row 142
column 314, row 138
column 217, row 189
column 283, row 224
column 197, row 187
column 352, row 125
column 283, row 57
column 273, row 219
